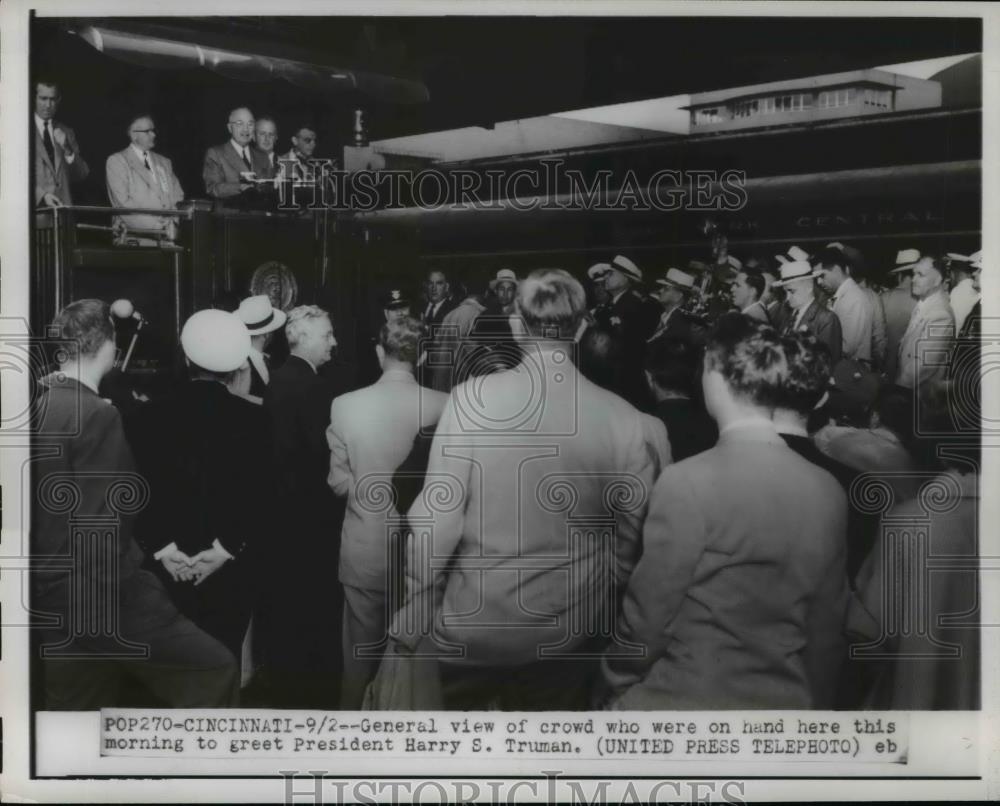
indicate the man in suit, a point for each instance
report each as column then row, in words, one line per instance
column 229, row 169
column 518, row 614
column 927, row 342
column 805, row 313
column 898, row 304
column 748, row 293
column 305, row 598
column 304, row 142
column 634, row 317
column 672, row 369
column 371, row 432
column 206, row 455
column 80, row 446
column 265, row 136
column 851, row 304
column 58, row 160
column 439, row 304
column 672, row 291
column 740, row 593
column 138, row 177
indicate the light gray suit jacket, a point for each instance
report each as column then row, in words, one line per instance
column 926, row 345
column 131, row 184
column 740, row 594
column 55, row 179
column 371, row 432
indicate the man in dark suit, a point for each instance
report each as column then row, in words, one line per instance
column 805, row 313
column 305, row 597
column 229, row 169
column 673, row 290
column 81, row 457
column 206, row 457
column 58, row 160
column 439, row 300
column 633, row 317
column 672, row 370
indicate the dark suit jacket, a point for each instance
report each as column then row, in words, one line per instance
column 206, row 454
column 297, row 402
column 634, row 319
column 223, row 166
column 55, row 179
column 79, row 448
column 690, row 429
column 823, row 324
column 446, row 307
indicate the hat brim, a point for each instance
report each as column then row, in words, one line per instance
column 672, row 284
column 279, row 317
column 782, row 283
column 906, row 267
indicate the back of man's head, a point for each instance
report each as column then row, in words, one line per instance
column 400, row 339
column 749, row 357
column 83, row 327
column 551, row 302
column 808, row 375
column 600, row 355
column 672, row 364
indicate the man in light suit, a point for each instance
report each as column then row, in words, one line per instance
column 805, row 313
column 57, row 156
column 519, row 614
column 371, row 432
column 229, row 168
column 925, row 347
column 740, row 594
column 137, row 177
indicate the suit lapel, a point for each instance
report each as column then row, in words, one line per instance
column 139, row 167
column 234, row 160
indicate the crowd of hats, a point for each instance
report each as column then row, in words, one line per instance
column 219, row 341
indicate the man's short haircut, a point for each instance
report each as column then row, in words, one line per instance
column 307, row 126
column 673, row 364
column 749, row 356
column 299, row 320
column 756, row 281
column 600, row 356
column 47, row 81
column 437, row 270
column 551, row 302
column 832, row 256
column 83, row 326
column 265, row 119
column 401, row 338
column 808, row 376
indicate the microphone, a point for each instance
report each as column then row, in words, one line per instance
column 124, row 309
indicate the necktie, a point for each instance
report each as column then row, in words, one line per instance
column 145, row 158
column 49, row 145
column 246, row 160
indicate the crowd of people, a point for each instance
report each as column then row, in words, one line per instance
column 245, row 172
column 569, row 495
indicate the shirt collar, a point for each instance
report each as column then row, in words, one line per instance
column 619, row 295
column 752, row 304
column 138, row 151
column 238, row 147
column 40, row 124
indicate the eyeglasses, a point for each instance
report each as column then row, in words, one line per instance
column 239, row 124
column 143, row 131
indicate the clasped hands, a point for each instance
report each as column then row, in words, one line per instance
column 183, row 568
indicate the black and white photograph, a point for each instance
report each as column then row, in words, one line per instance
column 498, row 402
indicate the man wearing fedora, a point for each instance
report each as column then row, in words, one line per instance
column 898, row 304
column 79, row 441
column 633, row 317
column 262, row 320
column 206, row 453
column 805, row 313
column 672, row 291
column 931, row 330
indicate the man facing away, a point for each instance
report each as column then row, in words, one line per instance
column 740, row 594
column 58, row 161
column 80, row 445
column 518, row 615
column 370, row 434
column 139, row 177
